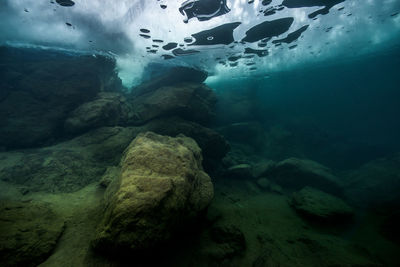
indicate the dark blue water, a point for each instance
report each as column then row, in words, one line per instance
column 345, row 113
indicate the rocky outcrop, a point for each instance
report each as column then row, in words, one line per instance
column 28, row 233
column 168, row 78
column 376, row 183
column 40, row 88
column 191, row 101
column 213, row 145
column 294, row 173
column 107, row 109
column 266, row 184
column 320, row 206
column 160, row 188
column 67, row 166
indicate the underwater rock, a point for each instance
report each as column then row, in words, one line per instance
column 107, row 109
column 40, row 88
column 264, row 183
column 172, row 76
column 161, row 187
column 296, row 173
column 29, row 232
column 321, row 206
column 67, row 166
column 376, row 183
column 241, row 171
column 262, row 167
column 191, row 101
column 213, row 145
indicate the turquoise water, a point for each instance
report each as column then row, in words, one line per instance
column 199, row 133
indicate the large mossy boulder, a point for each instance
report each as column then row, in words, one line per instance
column 294, row 173
column 321, row 206
column 191, row 101
column 28, row 233
column 161, row 187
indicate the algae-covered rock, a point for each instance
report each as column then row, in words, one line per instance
column 67, row 166
column 161, row 186
column 28, row 233
column 296, row 173
column 108, row 109
column 319, row 205
column 170, row 77
column 191, row 101
column 213, row 145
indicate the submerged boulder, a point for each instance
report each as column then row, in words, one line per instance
column 376, row 183
column 108, row 109
column 40, row 88
column 161, row 187
column 190, row 101
column 28, row 233
column 321, row 206
column 213, row 145
column 67, row 166
column 170, row 77
column 294, row 173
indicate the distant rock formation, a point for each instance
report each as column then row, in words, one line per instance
column 191, row 101
column 107, row 109
column 294, row 173
column 320, row 206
